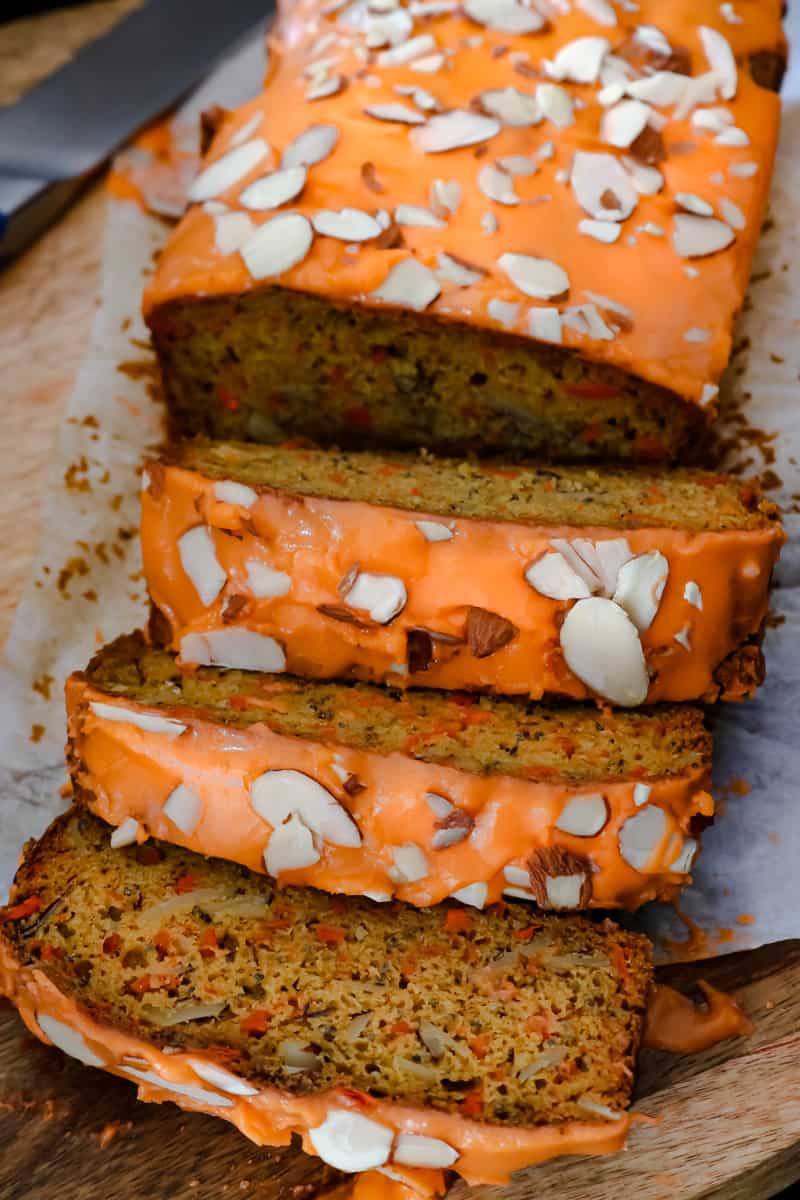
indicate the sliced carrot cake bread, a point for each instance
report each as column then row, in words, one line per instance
column 416, row 794
column 381, row 1034
column 626, row 585
column 488, row 225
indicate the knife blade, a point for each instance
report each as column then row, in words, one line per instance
column 68, row 125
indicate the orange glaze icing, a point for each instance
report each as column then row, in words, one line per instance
column 488, row 1153
column 129, row 772
column 317, row 541
column 641, row 271
column 674, row 1023
column 389, row 1183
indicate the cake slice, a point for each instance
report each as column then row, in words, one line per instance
column 628, row 586
column 417, row 794
column 477, row 227
column 382, row 1035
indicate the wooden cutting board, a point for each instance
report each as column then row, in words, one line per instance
column 728, row 1120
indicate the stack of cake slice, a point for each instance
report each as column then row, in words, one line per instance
column 392, row 707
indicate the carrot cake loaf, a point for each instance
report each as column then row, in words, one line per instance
column 629, row 585
column 486, row 225
column 419, row 794
column 381, row 1034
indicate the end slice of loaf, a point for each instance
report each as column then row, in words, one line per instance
column 279, row 1009
column 418, row 794
column 629, row 586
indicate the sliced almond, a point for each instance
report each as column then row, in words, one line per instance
column 325, row 85
column 682, row 863
column 406, row 52
column 445, row 196
column 414, row 215
column 552, row 576
column 417, row 1150
column 277, row 795
column 125, row 834
column 641, row 793
column 454, row 271
column 231, row 231
column 229, row 492
column 199, row 561
column 311, row 146
column 582, row 557
column 602, row 187
column 640, row 586
column 474, row 894
column 641, row 835
column 242, row 649
column 410, row 284
column 559, row 879
column 351, row 1142
column 382, row 596
column 514, row 108
column 277, row 245
column 505, row 16
column 183, row 807
column 275, row 189
column 583, row 816
column 496, row 185
column 68, row 1040
column 228, row 170
column 696, row 237
column 536, row 277
column 580, row 60
column 197, row 1094
column 622, row 124
column 434, row 531
column 503, row 311
column 394, row 111
column 391, row 28
column 292, row 847
column 226, row 1081
column 518, row 164
column 451, row 828
column 148, row 721
column 264, row 581
column 544, row 324
column 430, row 64
column 346, row 224
column 409, row 864
column 692, row 594
column 721, row 60
column 601, row 646
column 586, row 320
column 662, row 88
column 694, row 204
column 602, row 231
column 647, row 181
column 488, row 632
column 555, row 103
column 452, row 130
column 611, row 554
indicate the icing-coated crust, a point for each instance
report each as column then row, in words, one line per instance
column 716, row 168
column 480, row 565
column 122, row 771
column 487, row 1153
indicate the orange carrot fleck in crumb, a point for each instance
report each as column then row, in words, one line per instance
column 186, row 883
column 472, row 1104
column 401, row 1026
column 480, row 1045
column 255, row 1022
column 329, row 933
column 17, row 912
column 457, row 921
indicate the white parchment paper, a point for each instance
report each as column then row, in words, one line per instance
column 86, row 586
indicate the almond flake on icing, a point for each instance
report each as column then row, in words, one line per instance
column 552, row 576
column 505, row 16
column 732, row 137
column 586, row 320
column 663, row 88
column 641, row 835
column 382, row 596
column 545, row 325
column 198, row 1094
column 414, row 215
column 695, row 237
column 709, row 394
column 694, row 204
column 396, row 112
column 277, row 795
column 489, row 223
column 325, row 87
column 453, row 271
column 599, row 10
column 622, row 124
column 226, row 1081
column 612, row 305
column 125, row 834
column 732, row 213
column 682, row 636
column 275, row 189
column 602, row 187
column 68, row 1040
column 579, row 61
column 612, row 93
column 199, row 561
column 183, row 807
column 277, row 245
column 721, row 60
column 264, row 581
column 409, row 864
column 538, row 278
column 422, row 98
column 247, row 130
column 231, row 231
column 640, row 586
column 641, row 793
column 648, row 181
column 311, row 146
column 149, row 722
column 730, row 14
column 697, row 335
column 347, row 225
column 229, row 492
column 409, row 283
column 601, row 646
column 712, row 119
column 652, row 37
column 389, row 29
column 242, row 649
column 555, row 104
column 682, row 863
column 497, row 185
column 583, row 816
column 417, row 47
column 474, row 894
column 292, row 846
column 351, row 1142
column 503, row 311
column 452, row 130
column 518, row 164
column 428, row 65
column 744, row 170
column 700, row 89
column 418, row 1150
column 511, row 106
column 601, row 231
column 445, row 194
column 651, row 228
column 692, row 594
column 228, row 170
column 434, row 531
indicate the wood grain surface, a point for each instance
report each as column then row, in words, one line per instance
column 728, row 1120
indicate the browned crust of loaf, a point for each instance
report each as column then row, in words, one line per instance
column 677, row 423
column 597, row 986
